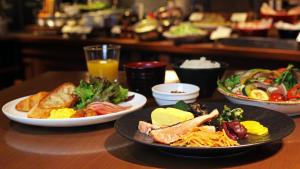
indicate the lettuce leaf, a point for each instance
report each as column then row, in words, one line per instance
column 99, row 90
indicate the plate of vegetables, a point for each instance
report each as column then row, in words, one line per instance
column 277, row 90
column 206, row 129
column 185, row 33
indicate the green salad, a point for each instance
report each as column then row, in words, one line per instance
column 99, row 90
column 264, row 84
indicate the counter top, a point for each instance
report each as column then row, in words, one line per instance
column 164, row 46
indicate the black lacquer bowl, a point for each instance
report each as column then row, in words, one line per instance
column 206, row 79
column 279, row 125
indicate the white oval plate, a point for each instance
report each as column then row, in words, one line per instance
column 9, row 110
column 288, row 107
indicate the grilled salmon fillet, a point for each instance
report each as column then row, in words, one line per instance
column 171, row 134
column 62, row 96
column 28, row 103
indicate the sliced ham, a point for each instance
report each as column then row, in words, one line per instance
column 171, row 134
column 105, row 107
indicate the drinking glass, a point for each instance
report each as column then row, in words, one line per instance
column 103, row 61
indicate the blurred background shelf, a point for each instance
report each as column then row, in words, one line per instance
column 33, row 39
column 43, row 53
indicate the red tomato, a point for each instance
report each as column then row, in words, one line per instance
column 268, row 81
column 294, row 93
column 281, row 70
column 276, row 97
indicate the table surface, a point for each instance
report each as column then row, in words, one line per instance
column 99, row 146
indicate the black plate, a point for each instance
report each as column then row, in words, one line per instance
column 279, row 125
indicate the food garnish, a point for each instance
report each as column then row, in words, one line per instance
column 181, row 105
column 229, row 115
column 177, row 91
column 196, row 108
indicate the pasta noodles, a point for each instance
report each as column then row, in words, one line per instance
column 202, row 137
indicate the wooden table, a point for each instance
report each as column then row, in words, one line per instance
column 99, row 146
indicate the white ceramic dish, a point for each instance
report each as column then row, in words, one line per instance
column 170, row 97
column 169, row 88
column 288, row 107
column 9, row 110
column 165, row 94
column 162, row 102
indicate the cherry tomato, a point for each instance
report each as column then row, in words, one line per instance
column 281, row 70
column 294, row 93
column 276, row 97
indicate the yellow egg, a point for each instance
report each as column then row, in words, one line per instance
column 169, row 116
column 254, row 127
column 61, row 113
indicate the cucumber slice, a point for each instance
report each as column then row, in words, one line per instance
column 248, row 88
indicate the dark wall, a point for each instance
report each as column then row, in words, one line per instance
column 19, row 12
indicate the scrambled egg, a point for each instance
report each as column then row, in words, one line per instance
column 62, row 113
column 254, row 127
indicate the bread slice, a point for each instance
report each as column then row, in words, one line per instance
column 62, row 96
column 28, row 103
column 39, row 113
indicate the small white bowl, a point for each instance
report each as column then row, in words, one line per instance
column 164, row 93
column 167, row 88
column 171, row 97
column 162, row 102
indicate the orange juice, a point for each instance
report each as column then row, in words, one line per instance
column 103, row 68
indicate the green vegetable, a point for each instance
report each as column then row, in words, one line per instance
column 232, row 81
column 99, row 90
column 229, row 115
column 93, row 6
column 121, row 95
column 287, row 78
column 248, row 88
column 186, row 29
column 222, row 86
column 181, row 105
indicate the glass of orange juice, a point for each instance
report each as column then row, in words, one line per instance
column 103, row 60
